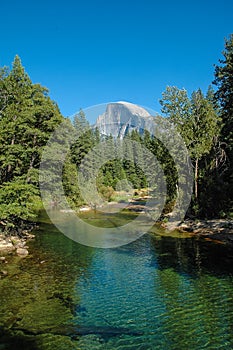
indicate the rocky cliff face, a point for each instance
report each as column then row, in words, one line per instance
column 121, row 118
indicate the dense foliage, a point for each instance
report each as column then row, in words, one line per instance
column 199, row 125
column 27, row 117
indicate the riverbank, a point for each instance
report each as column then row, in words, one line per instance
column 220, row 230
column 15, row 244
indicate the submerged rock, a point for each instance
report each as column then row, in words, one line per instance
column 22, row 251
column 3, row 273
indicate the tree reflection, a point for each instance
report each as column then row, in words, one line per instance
column 198, row 301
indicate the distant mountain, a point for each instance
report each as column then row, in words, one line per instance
column 121, row 118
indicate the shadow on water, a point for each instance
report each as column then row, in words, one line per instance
column 11, row 341
column 192, row 256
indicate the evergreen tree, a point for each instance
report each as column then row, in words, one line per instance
column 167, row 164
column 197, row 122
column 140, row 162
column 85, row 138
column 128, row 162
column 27, row 118
column 224, row 96
column 204, row 127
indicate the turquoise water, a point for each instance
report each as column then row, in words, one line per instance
column 161, row 288
column 156, row 293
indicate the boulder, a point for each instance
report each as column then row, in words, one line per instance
column 6, row 245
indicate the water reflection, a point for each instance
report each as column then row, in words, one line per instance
column 193, row 256
column 165, row 288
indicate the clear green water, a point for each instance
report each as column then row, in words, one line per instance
column 158, row 292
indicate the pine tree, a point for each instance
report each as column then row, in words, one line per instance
column 197, row 122
column 27, row 118
column 85, row 138
column 205, row 127
column 224, row 96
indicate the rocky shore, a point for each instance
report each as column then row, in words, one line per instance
column 220, row 230
column 14, row 243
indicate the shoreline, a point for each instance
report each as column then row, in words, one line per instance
column 15, row 244
column 218, row 230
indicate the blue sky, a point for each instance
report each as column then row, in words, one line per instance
column 94, row 52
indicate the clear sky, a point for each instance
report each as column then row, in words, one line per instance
column 91, row 52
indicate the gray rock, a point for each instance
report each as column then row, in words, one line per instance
column 121, row 118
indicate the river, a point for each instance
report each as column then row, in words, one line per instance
column 158, row 292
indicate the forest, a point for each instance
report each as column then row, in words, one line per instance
column 28, row 116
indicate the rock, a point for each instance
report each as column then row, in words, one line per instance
column 22, row 251
column 21, row 245
column 67, row 211
column 4, row 273
column 2, row 258
column 121, row 118
column 6, row 246
column 173, row 225
column 15, row 243
column 84, row 209
column 185, row 227
column 15, row 240
column 28, row 235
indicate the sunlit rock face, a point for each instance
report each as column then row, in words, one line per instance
column 121, row 118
